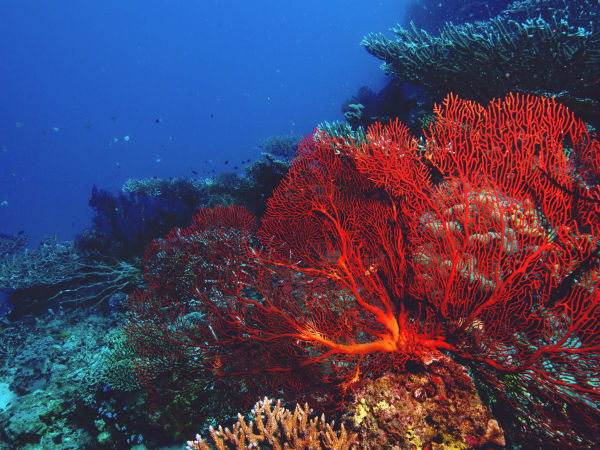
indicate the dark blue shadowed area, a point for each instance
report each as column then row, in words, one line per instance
column 130, row 222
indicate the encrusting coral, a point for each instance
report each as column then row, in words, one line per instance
column 279, row 428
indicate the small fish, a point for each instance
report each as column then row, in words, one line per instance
column 158, row 120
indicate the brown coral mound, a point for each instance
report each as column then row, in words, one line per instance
column 277, row 428
column 438, row 407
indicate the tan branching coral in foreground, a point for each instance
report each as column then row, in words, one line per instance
column 279, row 428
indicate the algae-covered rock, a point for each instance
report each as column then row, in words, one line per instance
column 434, row 406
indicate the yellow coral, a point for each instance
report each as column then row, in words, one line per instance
column 361, row 412
column 381, row 406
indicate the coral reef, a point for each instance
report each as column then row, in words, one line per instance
column 397, row 100
column 481, row 240
column 518, row 273
column 128, row 223
column 118, row 365
column 275, row 427
column 187, row 191
column 166, row 327
column 54, row 368
column 51, row 263
column 56, row 274
column 283, row 146
column 523, row 51
column 12, row 245
column 253, row 188
column 433, row 405
column 342, row 131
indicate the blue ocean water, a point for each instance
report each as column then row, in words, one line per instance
column 100, row 92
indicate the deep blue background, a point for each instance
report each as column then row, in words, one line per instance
column 76, row 76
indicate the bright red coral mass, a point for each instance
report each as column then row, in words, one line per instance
column 483, row 240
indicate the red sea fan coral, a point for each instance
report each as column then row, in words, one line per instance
column 483, row 240
column 506, row 245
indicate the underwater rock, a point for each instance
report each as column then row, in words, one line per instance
column 32, row 376
column 41, row 421
column 434, row 406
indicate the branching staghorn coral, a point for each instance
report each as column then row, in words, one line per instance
column 279, row 428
